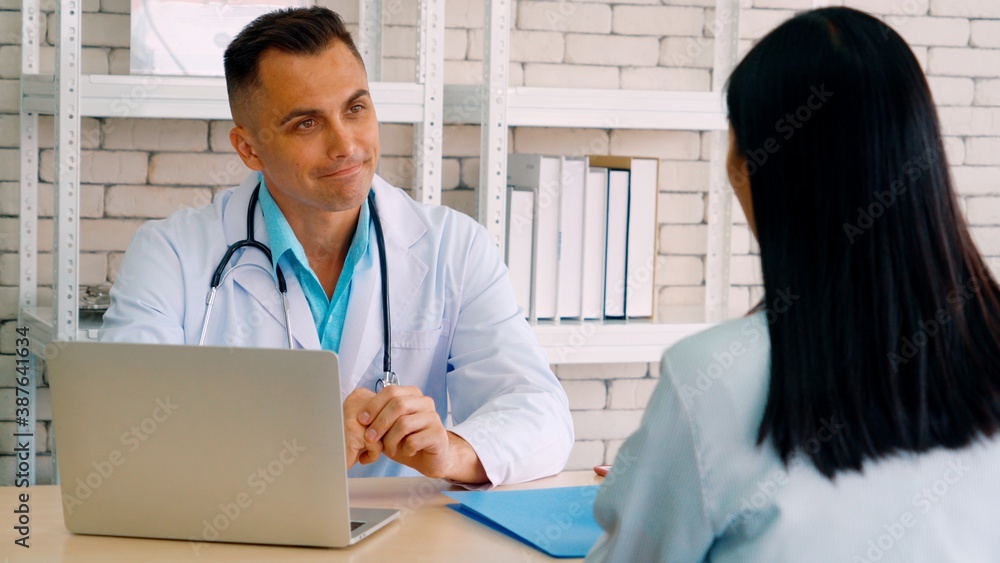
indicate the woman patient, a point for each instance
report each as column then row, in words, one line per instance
column 854, row 415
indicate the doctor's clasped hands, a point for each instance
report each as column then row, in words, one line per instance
column 402, row 423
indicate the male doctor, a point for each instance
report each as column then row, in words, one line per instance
column 306, row 126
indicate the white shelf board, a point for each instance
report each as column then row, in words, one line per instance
column 196, row 97
column 618, row 341
column 190, row 97
column 566, row 342
column 39, row 323
column 594, row 108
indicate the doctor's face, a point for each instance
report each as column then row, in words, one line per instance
column 313, row 134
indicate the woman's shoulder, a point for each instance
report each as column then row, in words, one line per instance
column 733, row 349
column 720, row 378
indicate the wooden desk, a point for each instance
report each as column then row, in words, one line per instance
column 426, row 531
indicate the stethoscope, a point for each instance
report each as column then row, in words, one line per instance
column 389, row 377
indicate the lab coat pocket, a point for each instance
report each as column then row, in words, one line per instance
column 420, row 358
column 416, row 339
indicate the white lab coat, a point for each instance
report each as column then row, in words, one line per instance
column 457, row 332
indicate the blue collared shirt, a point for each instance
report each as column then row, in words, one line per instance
column 328, row 314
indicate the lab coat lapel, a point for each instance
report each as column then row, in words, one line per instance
column 362, row 336
column 256, row 274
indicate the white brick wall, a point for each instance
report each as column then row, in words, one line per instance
column 604, row 424
column 686, row 51
column 976, row 180
column 585, row 455
column 570, row 76
column 970, row 120
column 950, row 91
column 684, row 176
column 631, row 393
column 155, row 134
column 137, row 169
column 677, row 145
column 933, row 31
column 896, row 8
column 985, row 33
column 679, row 270
column 982, row 150
column 536, row 46
column 658, row 20
column 966, row 8
column 681, row 208
column 613, row 50
column 755, row 24
column 561, row 141
column 954, row 61
column 564, row 16
column 586, row 394
column 98, row 167
column 987, row 93
column 658, row 78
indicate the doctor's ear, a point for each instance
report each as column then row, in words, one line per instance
column 241, row 138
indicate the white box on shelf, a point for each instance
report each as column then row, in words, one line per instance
column 574, row 179
column 595, row 229
column 184, row 38
column 520, row 245
column 617, row 244
column 542, row 175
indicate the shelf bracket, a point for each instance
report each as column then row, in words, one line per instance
column 370, row 27
column 493, row 129
column 427, row 135
column 28, row 244
column 720, row 196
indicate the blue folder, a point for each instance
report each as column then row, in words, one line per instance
column 559, row 522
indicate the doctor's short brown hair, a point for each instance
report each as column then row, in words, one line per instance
column 297, row 31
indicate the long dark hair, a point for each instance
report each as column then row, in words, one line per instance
column 894, row 333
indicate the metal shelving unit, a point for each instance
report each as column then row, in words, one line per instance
column 427, row 103
column 500, row 107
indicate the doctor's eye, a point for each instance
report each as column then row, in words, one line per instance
column 356, row 108
column 306, row 124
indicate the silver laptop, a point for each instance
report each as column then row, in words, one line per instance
column 204, row 444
